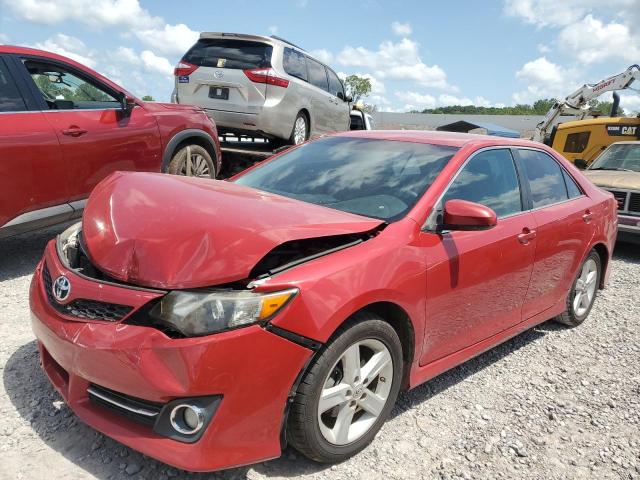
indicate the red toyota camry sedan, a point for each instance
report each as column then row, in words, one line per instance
column 292, row 304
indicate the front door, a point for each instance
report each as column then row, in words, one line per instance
column 95, row 135
column 477, row 280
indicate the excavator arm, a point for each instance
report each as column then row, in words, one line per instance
column 578, row 101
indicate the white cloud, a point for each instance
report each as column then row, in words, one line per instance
column 565, row 12
column 68, row 46
column 4, row 38
column 542, row 48
column 401, row 29
column 273, row 29
column 155, row 63
column 630, row 102
column 592, row 40
column 399, row 61
column 96, row 13
column 170, row 39
column 324, row 55
column 544, row 79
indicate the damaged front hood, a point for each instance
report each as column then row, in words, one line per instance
column 167, row 231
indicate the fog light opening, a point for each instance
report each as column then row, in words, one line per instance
column 187, row 419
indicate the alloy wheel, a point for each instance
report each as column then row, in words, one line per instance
column 355, row 392
column 300, row 130
column 585, row 288
column 195, row 165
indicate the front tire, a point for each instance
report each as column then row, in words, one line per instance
column 192, row 161
column 348, row 391
column 583, row 292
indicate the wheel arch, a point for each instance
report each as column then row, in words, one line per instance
column 194, row 136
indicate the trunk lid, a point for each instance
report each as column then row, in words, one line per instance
column 167, row 231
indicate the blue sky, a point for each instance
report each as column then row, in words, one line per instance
column 417, row 53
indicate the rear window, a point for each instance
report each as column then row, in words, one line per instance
column 223, row 53
column 317, row 74
column 295, row 64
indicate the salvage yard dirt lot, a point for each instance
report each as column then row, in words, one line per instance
column 551, row 403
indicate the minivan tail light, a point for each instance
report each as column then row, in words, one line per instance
column 184, row 68
column 266, row 75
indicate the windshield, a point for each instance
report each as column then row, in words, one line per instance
column 623, row 156
column 376, row 178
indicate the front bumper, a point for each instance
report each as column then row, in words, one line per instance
column 252, row 369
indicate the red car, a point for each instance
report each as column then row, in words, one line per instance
column 64, row 127
column 293, row 303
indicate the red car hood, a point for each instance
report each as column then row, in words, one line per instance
column 167, row 231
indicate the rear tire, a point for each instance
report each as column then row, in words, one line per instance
column 348, row 391
column 583, row 292
column 300, row 132
column 200, row 165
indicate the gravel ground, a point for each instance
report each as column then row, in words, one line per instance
column 551, row 403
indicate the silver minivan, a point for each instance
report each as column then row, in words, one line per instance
column 261, row 86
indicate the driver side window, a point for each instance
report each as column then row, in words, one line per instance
column 490, row 179
column 64, row 90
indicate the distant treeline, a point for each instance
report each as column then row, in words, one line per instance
column 539, row 107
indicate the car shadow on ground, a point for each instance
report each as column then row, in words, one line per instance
column 629, row 252
column 38, row 403
column 20, row 254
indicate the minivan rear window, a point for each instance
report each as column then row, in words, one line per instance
column 223, row 53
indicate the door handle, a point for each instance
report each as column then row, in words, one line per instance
column 587, row 216
column 74, row 131
column 526, row 236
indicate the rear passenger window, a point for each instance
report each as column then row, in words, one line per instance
column 335, row 85
column 10, row 98
column 224, row 53
column 490, row 179
column 295, row 64
column 572, row 187
column 546, row 181
column 576, row 142
column 317, row 74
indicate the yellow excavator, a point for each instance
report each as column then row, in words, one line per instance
column 584, row 139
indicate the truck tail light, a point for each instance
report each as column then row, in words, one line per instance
column 184, row 68
column 266, row 75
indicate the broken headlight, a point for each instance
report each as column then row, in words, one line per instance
column 193, row 313
column 67, row 243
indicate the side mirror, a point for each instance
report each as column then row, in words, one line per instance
column 464, row 215
column 580, row 163
column 127, row 103
column 348, row 99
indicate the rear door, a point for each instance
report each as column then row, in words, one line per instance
column 563, row 228
column 321, row 100
column 218, row 80
column 95, row 135
column 32, row 171
column 339, row 108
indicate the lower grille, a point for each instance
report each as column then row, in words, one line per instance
column 138, row 410
column 84, row 309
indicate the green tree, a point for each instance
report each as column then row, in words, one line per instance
column 148, row 98
column 357, row 87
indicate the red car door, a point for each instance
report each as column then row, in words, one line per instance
column 477, row 281
column 96, row 136
column 32, row 172
column 563, row 228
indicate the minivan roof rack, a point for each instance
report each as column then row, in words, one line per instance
column 276, row 37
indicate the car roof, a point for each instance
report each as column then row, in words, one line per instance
column 453, row 139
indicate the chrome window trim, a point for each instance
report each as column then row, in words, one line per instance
column 139, row 411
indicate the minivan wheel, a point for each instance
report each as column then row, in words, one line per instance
column 300, row 133
column 192, row 161
column 348, row 391
column 583, row 292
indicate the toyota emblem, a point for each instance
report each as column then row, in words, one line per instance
column 218, row 74
column 61, row 288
